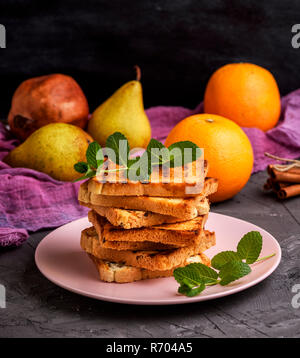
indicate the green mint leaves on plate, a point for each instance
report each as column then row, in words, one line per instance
column 227, row 266
column 139, row 168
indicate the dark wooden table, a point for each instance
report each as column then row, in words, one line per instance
column 38, row 308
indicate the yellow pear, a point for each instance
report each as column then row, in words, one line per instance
column 52, row 149
column 122, row 112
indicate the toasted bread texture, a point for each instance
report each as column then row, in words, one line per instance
column 178, row 234
column 136, row 245
column 185, row 208
column 151, row 260
column 120, row 273
column 175, row 184
column 133, row 219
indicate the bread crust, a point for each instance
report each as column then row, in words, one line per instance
column 112, row 272
column 133, row 219
column 177, row 234
column 184, row 208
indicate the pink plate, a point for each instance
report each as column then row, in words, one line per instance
column 60, row 259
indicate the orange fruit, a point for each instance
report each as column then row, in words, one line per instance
column 245, row 93
column 226, row 148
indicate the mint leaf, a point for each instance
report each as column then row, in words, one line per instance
column 89, row 174
column 184, row 289
column 193, row 278
column 191, row 292
column 95, row 159
column 183, row 153
column 99, row 157
column 132, row 161
column 139, row 169
column 157, row 153
column 187, row 274
column 81, row 167
column 186, row 283
column 207, row 274
column 233, row 271
column 195, row 274
column 135, row 159
column 177, row 154
column 93, row 154
column 223, row 257
column 250, row 246
column 154, row 143
column 119, row 144
column 195, row 291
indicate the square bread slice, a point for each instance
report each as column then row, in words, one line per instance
column 133, row 219
column 185, row 208
column 159, row 184
column 120, row 273
column 151, row 260
column 178, row 234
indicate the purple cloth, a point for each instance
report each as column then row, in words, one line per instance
column 30, row 200
column 14, row 236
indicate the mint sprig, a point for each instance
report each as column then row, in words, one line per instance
column 227, row 266
column 88, row 174
column 95, row 160
column 139, row 168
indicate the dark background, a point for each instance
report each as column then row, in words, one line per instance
column 177, row 44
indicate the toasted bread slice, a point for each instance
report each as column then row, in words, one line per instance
column 178, row 234
column 136, row 245
column 100, row 223
column 151, row 260
column 176, row 185
column 186, row 208
column 116, row 272
column 133, row 219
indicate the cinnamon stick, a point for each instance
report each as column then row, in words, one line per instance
column 268, row 184
column 291, row 176
column 284, row 179
column 276, row 186
column 289, row 191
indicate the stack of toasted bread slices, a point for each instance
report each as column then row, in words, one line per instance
column 143, row 231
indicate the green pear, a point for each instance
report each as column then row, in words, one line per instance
column 52, row 149
column 122, row 112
